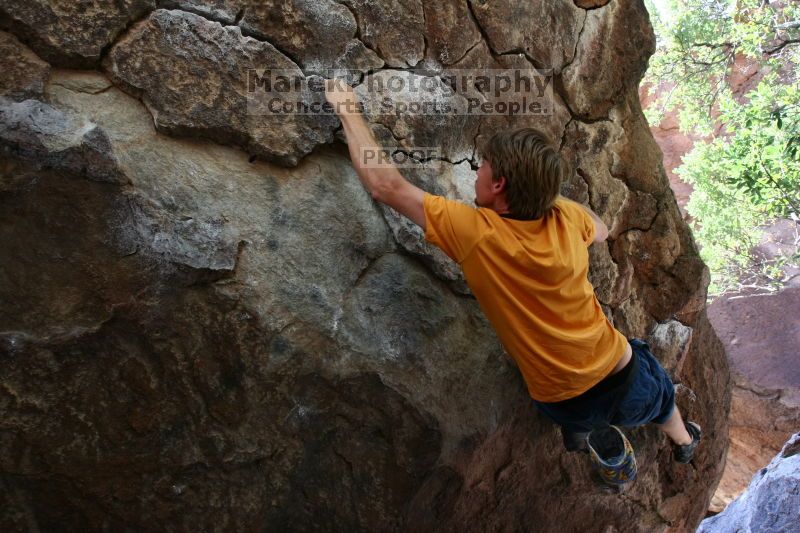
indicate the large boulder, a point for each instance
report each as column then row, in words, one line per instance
column 208, row 324
column 771, row 504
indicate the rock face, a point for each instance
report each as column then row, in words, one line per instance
column 201, row 90
column 593, row 89
column 772, row 501
column 68, row 33
column 507, row 27
column 202, row 339
column 26, row 72
column 38, row 132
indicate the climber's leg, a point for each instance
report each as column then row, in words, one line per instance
column 574, row 425
column 676, row 429
column 685, row 435
column 574, row 441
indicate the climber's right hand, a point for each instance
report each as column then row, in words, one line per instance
column 341, row 96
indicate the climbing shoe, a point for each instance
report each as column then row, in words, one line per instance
column 684, row 454
column 612, row 455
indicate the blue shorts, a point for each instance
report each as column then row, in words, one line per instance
column 650, row 398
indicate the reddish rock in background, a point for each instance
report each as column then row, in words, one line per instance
column 674, row 143
column 761, row 335
column 760, row 332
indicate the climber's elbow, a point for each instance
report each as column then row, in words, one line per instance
column 600, row 231
column 384, row 185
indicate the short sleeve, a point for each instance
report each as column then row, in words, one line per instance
column 578, row 218
column 452, row 226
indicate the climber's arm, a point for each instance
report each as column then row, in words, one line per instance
column 601, row 230
column 384, row 183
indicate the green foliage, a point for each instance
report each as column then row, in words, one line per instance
column 746, row 170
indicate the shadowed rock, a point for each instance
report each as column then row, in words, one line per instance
column 591, row 4
column 24, row 74
column 162, row 59
column 217, row 352
column 39, row 133
column 69, row 33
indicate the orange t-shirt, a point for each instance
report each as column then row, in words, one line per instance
column 530, row 277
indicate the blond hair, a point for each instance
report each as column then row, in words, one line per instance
column 533, row 169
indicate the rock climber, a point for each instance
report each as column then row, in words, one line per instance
column 524, row 253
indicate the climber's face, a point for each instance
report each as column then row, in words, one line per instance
column 483, row 185
column 487, row 191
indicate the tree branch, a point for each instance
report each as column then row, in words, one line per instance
column 786, row 196
column 792, row 24
column 781, row 46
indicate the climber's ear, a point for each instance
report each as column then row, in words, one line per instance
column 499, row 185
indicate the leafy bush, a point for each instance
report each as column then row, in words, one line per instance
column 745, row 170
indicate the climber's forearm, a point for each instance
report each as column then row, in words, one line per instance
column 384, row 182
column 379, row 181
